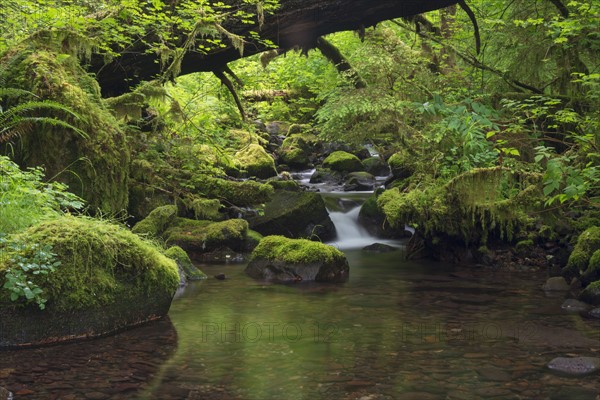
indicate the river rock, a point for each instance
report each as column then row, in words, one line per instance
column 556, row 283
column 359, row 182
column 591, row 294
column 595, row 313
column 379, row 248
column 575, row 366
column 280, row 259
column 295, row 215
column 376, row 166
column 5, row 394
column 573, row 305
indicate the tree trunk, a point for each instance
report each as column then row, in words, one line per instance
column 296, row 23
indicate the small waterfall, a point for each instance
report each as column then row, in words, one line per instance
column 344, row 208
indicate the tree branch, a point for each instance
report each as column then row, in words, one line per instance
column 225, row 81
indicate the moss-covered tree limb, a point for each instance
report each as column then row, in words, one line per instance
column 334, row 55
column 296, row 23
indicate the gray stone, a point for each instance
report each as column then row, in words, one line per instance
column 575, row 366
column 5, row 394
column 573, row 305
column 595, row 313
column 556, row 283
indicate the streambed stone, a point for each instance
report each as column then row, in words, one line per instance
column 575, row 366
column 280, row 259
column 556, row 283
column 379, row 248
column 573, row 305
column 5, row 394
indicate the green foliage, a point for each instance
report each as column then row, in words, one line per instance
column 25, row 199
column 296, row 251
column 25, row 259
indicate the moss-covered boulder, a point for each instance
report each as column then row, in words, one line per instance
column 256, row 161
column 591, row 294
column 156, row 222
column 402, row 165
column 587, row 244
column 342, row 161
column 197, row 237
column 285, row 184
column 108, row 279
column 295, row 215
column 294, row 158
column 359, row 181
column 281, row 259
column 94, row 167
column 327, row 176
column 373, row 219
column 186, row 268
column 376, row 166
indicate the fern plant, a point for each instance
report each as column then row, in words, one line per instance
column 19, row 114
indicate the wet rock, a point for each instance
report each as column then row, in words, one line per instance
column 591, row 294
column 556, row 283
column 280, row 259
column 379, row 248
column 595, row 313
column 573, row 305
column 5, row 394
column 376, row 166
column 359, row 182
column 295, row 215
column 221, row 277
column 575, row 366
column 328, row 176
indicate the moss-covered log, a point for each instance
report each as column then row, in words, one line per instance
column 297, row 23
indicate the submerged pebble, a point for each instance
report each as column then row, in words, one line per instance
column 575, row 366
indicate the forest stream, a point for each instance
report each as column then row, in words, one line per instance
column 396, row 330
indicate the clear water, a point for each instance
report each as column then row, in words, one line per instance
column 396, row 330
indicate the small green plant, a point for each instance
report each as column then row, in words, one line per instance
column 27, row 260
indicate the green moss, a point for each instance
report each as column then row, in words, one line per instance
column 156, row 222
column 524, row 245
column 100, row 264
column 289, row 185
column 241, row 194
column 591, row 294
column 191, row 272
column 200, row 208
column 402, row 165
column 294, row 157
column 587, row 244
column 594, row 264
column 343, row 162
column 253, row 238
column 95, row 168
column 297, row 128
column 471, row 207
column 296, row 251
column 207, row 235
column 256, row 161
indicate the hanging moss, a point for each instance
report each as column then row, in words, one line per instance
column 472, row 206
column 100, row 264
column 95, row 168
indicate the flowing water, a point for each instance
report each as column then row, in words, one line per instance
column 396, row 330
